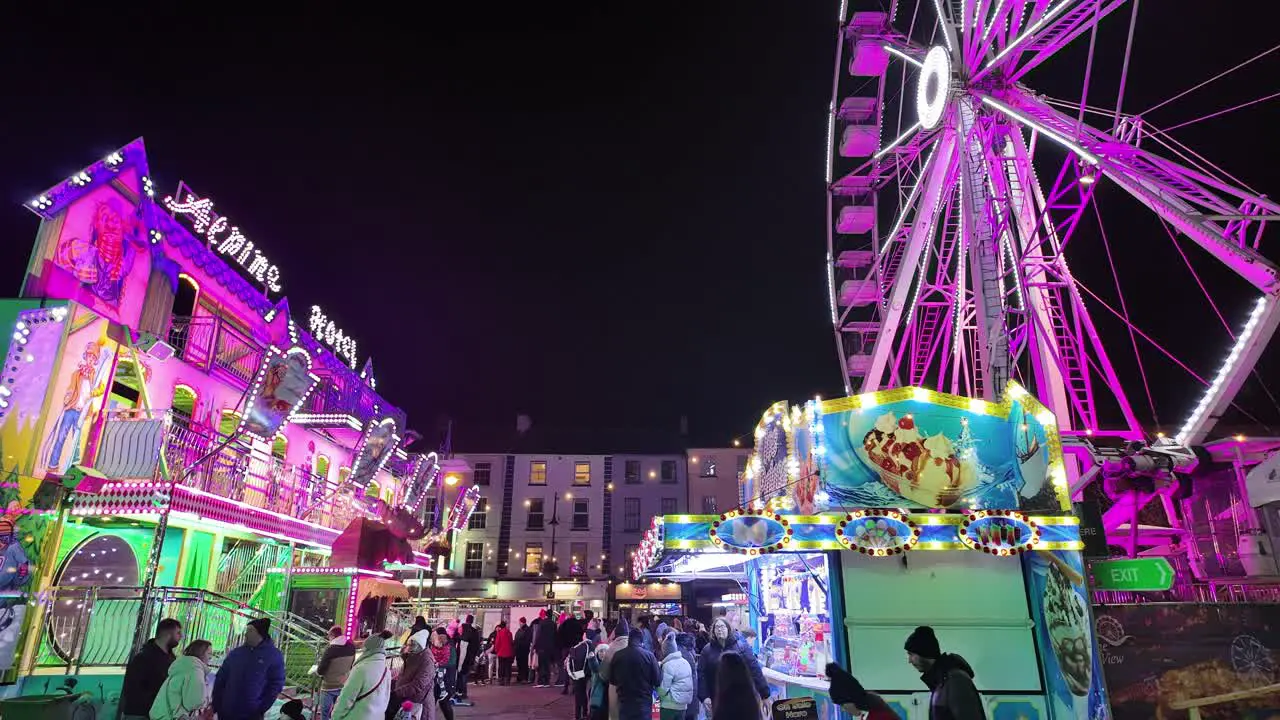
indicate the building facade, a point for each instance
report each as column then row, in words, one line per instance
column 713, row 478
column 563, row 524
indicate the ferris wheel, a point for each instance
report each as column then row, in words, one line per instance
column 948, row 257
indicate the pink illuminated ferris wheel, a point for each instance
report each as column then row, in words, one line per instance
column 957, row 193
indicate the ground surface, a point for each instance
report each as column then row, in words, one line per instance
column 516, row 702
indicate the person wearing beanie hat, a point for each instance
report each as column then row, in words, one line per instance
column 367, row 692
column 948, row 676
column 252, row 676
column 618, row 639
column 849, row 694
column 524, row 645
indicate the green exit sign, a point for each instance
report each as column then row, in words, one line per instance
column 1135, row 575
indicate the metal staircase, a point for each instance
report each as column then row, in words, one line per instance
column 95, row 626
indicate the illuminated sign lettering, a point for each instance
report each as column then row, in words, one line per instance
column 344, row 346
column 222, row 236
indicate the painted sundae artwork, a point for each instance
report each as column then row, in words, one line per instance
column 936, row 451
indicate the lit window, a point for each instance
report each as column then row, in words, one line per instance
column 578, row 559
column 474, row 565
column 538, row 472
column 533, row 558
column 582, row 473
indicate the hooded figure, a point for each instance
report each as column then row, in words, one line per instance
column 251, row 677
column 849, row 694
column 635, row 675
column 676, row 690
column 185, row 691
column 725, row 639
column 368, row 688
column 688, row 650
column 661, row 635
column 948, row 677
column 621, row 639
column 417, row 681
column 545, row 645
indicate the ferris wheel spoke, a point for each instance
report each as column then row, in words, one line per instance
column 1046, row 30
column 1189, row 200
column 909, row 255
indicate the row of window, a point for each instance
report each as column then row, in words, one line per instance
column 482, row 473
column 535, row 519
column 531, row 562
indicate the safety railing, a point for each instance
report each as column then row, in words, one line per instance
column 96, row 626
column 196, row 457
column 216, row 346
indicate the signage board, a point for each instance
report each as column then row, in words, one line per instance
column 1153, row 574
column 800, row 708
column 1092, row 531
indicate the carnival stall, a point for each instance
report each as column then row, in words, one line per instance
column 867, row 516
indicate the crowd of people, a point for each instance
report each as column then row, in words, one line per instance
column 615, row 671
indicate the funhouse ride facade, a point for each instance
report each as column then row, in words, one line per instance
column 177, row 443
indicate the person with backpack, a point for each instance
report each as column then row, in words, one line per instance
column 575, row 668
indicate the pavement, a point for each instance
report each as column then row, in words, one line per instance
column 516, row 702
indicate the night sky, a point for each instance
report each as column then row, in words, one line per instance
column 603, row 216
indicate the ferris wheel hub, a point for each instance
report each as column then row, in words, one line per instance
column 934, row 85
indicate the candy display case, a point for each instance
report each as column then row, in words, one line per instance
column 792, row 619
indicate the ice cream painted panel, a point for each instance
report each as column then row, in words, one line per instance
column 914, row 448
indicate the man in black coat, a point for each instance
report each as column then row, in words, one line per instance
column 469, row 635
column 524, row 644
column 147, row 671
column 567, row 635
column 634, row 671
column 544, row 644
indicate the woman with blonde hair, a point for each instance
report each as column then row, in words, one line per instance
column 185, row 692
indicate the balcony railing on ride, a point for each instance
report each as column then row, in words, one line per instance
column 198, row 458
column 95, row 626
column 216, row 346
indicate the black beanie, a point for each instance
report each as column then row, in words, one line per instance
column 845, row 688
column 924, row 643
column 263, row 626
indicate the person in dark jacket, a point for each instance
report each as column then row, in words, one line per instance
column 470, row 635
column 524, row 644
column 688, row 651
column 854, row 699
column 251, row 677
column 544, row 643
column 634, row 671
column 416, row 684
column 576, row 661
column 725, row 639
column 567, row 635
column 147, row 670
column 948, row 677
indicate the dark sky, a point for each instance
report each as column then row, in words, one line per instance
column 602, row 215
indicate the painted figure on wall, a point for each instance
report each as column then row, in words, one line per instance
column 15, row 567
column 87, row 383
column 101, row 253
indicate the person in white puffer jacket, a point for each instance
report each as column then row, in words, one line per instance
column 675, row 692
